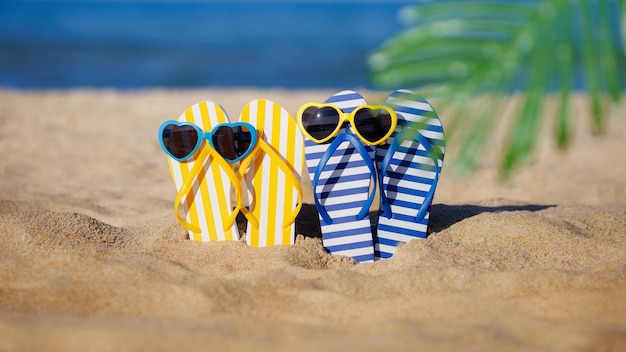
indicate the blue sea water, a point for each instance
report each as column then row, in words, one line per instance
column 137, row 44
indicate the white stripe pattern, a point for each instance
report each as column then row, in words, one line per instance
column 271, row 204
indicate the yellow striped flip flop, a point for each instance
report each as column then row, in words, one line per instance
column 273, row 174
column 204, row 203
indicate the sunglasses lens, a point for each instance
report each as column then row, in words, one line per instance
column 243, row 139
column 223, row 141
column 373, row 124
column 180, row 141
column 320, row 122
column 231, row 142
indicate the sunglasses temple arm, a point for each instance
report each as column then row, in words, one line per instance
column 324, row 160
column 290, row 174
column 243, row 166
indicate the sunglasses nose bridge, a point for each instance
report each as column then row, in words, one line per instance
column 204, row 135
column 346, row 119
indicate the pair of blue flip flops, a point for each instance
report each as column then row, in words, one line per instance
column 346, row 171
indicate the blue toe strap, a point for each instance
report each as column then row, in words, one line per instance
column 352, row 139
column 406, row 134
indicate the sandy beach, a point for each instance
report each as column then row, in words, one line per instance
column 93, row 259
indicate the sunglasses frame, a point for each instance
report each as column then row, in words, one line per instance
column 208, row 136
column 349, row 116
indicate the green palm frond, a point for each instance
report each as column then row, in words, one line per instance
column 459, row 51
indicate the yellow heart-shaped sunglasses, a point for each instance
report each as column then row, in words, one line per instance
column 373, row 124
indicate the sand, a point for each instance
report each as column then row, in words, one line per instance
column 92, row 258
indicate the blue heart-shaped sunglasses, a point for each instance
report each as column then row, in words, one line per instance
column 233, row 141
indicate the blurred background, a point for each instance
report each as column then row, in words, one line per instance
column 131, row 44
column 455, row 53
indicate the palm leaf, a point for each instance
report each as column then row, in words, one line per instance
column 456, row 51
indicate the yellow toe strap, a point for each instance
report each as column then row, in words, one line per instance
column 290, row 174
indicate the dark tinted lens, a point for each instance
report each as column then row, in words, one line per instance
column 372, row 124
column 180, row 141
column 243, row 139
column 223, row 140
column 320, row 122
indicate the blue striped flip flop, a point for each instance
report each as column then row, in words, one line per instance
column 409, row 165
column 340, row 173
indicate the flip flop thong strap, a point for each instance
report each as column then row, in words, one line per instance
column 332, row 148
column 243, row 165
column 287, row 170
column 407, row 134
column 188, row 182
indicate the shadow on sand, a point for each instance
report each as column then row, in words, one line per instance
column 442, row 216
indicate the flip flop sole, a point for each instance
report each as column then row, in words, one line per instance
column 410, row 174
column 209, row 201
column 273, row 198
column 343, row 188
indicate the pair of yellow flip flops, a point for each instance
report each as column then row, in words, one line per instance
column 210, row 157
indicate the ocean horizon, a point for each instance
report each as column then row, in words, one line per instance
column 172, row 44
